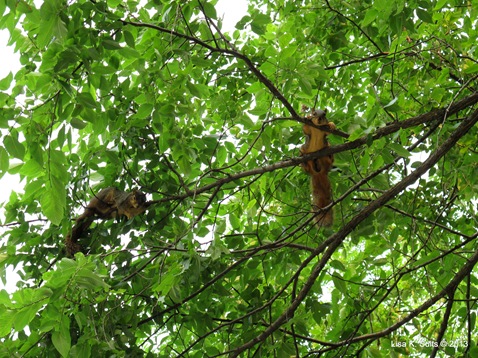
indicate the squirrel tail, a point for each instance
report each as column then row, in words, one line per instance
column 71, row 241
column 321, row 197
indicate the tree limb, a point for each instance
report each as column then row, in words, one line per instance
column 379, row 133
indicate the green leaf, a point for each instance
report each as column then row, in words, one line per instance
column 199, row 61
column 305, row 85
column 370, row 16
column 30, row 302
column 221, row 156
column 24, row 7
column 198, row 90
column 62, row 341
column 168, row 280
column 424, row 15
column 471, row 69
column 6, row 82
column 88, row 279
column 51, row 28
column 441, row 3
column 377, row 162
column 261, row 19
column 144, row 111
column 397, row 148
column 357, row 133
column 209, row 10
column 14, row 147
column 31, row 169
column 111, row 44
column 4, row 161
column 78, row 123
column 25, row 315
column 426, row 258
column 113, row 3
column 53, row 201
column 438, row 94
column 7, row 317
column 129, row 38
column 61, row 276
column 86, row 99
column 259, row 22
column 128, row 52
column 339, row 283
column 391, row 103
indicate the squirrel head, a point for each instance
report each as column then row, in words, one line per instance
column 318, row 116
column 319, row 113
column 139, row 198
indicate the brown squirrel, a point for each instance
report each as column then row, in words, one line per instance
column 108, row 203
column 319, row 168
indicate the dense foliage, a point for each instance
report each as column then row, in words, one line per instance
column 227, row 260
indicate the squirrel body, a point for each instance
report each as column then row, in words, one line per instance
column 318, row 169
column 108, row 203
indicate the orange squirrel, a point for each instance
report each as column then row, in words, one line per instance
column 108, row 203
column 319, row 168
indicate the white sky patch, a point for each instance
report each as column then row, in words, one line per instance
column 10, row 63
column 231, row 11
column 10, row 60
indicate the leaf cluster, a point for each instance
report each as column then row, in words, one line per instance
column 227, row 261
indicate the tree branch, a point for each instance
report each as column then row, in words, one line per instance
column 381, row 132
column 358, row 60
column 444, row 322
column 262, row 78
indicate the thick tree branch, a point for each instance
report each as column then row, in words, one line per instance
column 324, row 127
column 444, row 322
column 336, row 240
